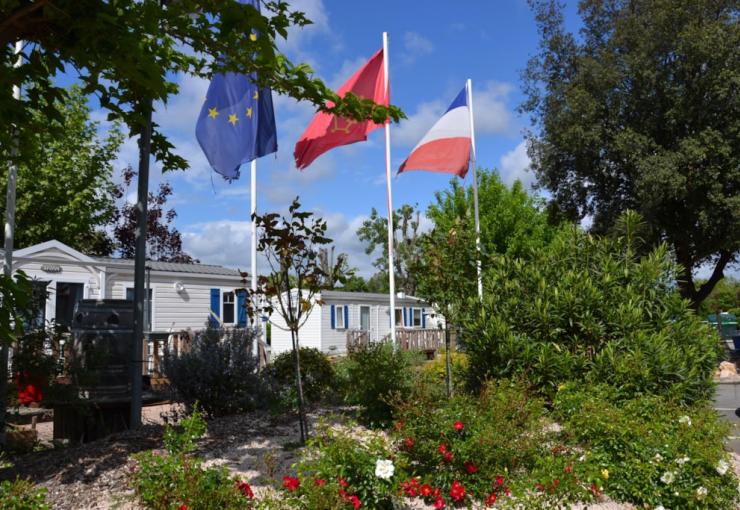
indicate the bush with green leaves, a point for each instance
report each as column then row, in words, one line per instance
column 219, row 372
column 22, row 495
column 590, row 309
column 176, row 479
column 317, row 375
column 650, row 451
column 346, row 467
column 373, row 375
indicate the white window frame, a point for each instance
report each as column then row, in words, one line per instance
column 369, row 311
column 223, row 306
column 339, row 316
column 413, row 317
column 399, row 318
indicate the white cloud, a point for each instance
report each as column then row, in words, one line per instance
column 490, row 106
column 412, row 129
column 415, row 45
column 515, row 164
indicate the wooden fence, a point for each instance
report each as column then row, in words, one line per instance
column 424, row 340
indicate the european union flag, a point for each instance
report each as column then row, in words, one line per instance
column 236, row 123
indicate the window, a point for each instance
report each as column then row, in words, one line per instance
column 365, row 318
column 340, row 317
column 147, row 308
column 416, row 320
column 399, row 317
column 228, row 300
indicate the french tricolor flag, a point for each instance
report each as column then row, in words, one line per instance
column 446, row 147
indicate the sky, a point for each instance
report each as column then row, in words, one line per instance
column 434, row 47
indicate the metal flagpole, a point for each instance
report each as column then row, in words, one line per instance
column 391, row 276
column 253, row 211
column 469, row 86
column 8, row 246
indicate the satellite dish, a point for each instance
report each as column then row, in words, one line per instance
column 179, row 287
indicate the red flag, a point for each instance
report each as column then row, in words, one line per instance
column 327, row 131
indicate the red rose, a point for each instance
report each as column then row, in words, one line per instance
column 539, row 487
column 507, row 491
column 342, row 482
column 439, row 502
column 426, row 490
column 183, row 507
column 436, row 492
column 499, row 481
column 319, row 482
column 568, row 468
column 595, row 490
column 442, row 448
column 290, row 483
column 457, row 491
column 245, row 489
column 448, row 456
column 355, row 501
column 471, row 468
column 491, row 499
column 408, row 443
column 459, row 425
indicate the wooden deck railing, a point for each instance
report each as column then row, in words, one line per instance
column 425, row 340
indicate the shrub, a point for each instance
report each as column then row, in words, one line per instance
column 175, row 479
column 651, row 451
column 317, row 374
column 219, row 372
column 375, row 373
column 343, row 469
column 589, row 309
column 22, row 495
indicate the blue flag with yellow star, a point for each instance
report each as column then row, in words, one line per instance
column 236, row 123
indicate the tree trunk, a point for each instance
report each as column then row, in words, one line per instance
column 299, row 387
column 448, row 360
column 686, row 284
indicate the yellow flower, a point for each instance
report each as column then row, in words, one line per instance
column 605, row 474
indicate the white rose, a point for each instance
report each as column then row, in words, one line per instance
column 682, row 461
column 658, row 458
column 660, row 507
column 668, row 477
column 722, row 467
column 701, row 493
column 685, row 420
column 384, row 469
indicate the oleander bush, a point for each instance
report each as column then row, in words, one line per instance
column 317, row 376
column 21, row 494
column 590, row 309
column 219, row 372
column 176, row 479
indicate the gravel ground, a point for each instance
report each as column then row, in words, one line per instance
column 94, row 475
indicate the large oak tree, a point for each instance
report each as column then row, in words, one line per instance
column 641, row 110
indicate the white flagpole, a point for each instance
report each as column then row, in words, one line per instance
column 474, row 159
column 391, row 276
column 253, row 282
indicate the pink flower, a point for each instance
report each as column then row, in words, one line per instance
column 471, row 468
column 459, row 425
column 290, row 483
column 457, row 491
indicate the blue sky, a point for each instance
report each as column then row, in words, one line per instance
column 434, row 47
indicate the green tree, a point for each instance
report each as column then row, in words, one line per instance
column 291, row 246
column 725, row 297
column 65, row 188
column 641, row 111
column 511, row 220
column 406, row 235
column 131, row 51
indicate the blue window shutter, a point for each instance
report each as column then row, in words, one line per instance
column 406, row 321
column 333, row 318
column 346, row 317
column 423, row 318
column 215, row 306
column 241, row 309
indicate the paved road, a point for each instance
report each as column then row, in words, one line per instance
column 726, row 401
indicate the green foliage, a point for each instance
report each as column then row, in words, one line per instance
column 585, row 308
column 725, row 296
column 640, row 111
column 638, row 441
column 219, row 372
column 22, row 495
column 69, row 169
column 317, row 374
column 169, row 480
column 129, row 52
column 436, row 371
column 499, row 432
column 341, row 460
column 406, row 246
column 16, row 296
column 374, row 374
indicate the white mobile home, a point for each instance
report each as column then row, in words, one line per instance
column 181, row 296
column 336, row 312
